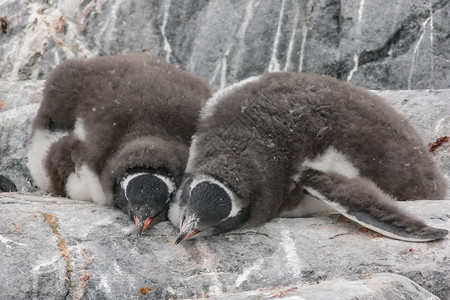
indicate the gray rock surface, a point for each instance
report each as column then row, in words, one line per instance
column 400, row 45
column 59, row 248
column 379, row 286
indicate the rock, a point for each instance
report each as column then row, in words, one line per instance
column 399, row 46
column 377, row 286
column 59, row 248
column 17, row 94
column 6, row 185
column 15, row 128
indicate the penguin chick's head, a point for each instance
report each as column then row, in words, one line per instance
column 145, row 197
column 209, row 207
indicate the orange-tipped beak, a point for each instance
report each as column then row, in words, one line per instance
column 136, row 220
column 146, row 223
column 142, row 227
column 187, row 230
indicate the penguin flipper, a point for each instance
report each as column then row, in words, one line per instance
column 360, row 200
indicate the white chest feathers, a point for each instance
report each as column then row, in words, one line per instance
column 332, row 161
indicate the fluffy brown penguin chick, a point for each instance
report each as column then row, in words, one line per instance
column 105, row 120
column 285, row 144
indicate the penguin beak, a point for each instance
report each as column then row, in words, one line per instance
column 141, row 226
column 187, row 230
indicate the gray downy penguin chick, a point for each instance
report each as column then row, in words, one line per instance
column 274, row 145
column 104, row 118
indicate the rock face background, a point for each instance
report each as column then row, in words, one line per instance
column 402, row 44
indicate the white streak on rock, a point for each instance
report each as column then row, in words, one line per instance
column 240, row 36
column 274, row 65
column 167, row 47
column 291, row 41
column 248, row 16
column 105, row 37
column 432, row 48
column 415, row 54
column 6, row 241
column 223, row 72
column 358, row 35
column 253, row 268
column 302, row 47
column 104, row 283
column 222, row 66
column 46, row 264
column 304, row 35
column 216, row 71
column 360, row 13
column 355, row 66
column 293, row 260
column 440, row 127
column 117, row 268
column 210, row 263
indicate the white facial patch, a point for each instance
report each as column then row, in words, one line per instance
column 39, row 146
column 79, row 130
column 208, row 109
column 124, row 183
column 235, row 204
column 167, row 181
column 84, row 184
column 332, row 161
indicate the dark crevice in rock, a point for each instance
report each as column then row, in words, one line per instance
column 248, row 233
column 399, row 43
column 338, row 69
column 6, row 185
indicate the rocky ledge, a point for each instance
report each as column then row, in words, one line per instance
column 57, row 248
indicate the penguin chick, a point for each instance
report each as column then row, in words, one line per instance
column 266, row 145
column 210, row 208
column 102, row 119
